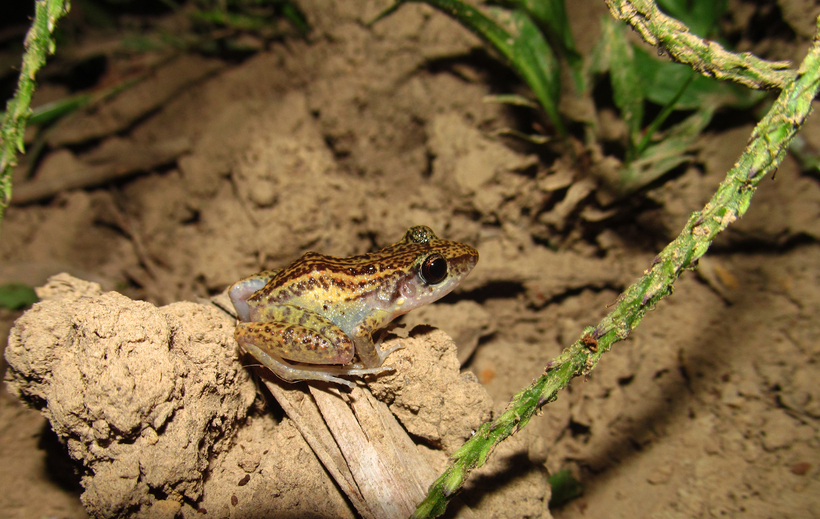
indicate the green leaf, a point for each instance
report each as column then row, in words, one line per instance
column 701, row 16
column 672, row 151
column 296, row 17
column 565, row 488
column 662, row 80
column 510, row 99
column 627, row 83
column 16, row 296
column 518, row 40
column 253, row 15
column 537, row 64
column 50, row 112
column 55, row 110
column 551, row 17
column 238, row 21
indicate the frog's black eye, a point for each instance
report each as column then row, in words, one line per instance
column 434, row 269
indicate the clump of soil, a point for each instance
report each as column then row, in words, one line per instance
column 156, row 408
column 143, row 397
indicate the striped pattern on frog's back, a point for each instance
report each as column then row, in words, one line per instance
column 379, row 279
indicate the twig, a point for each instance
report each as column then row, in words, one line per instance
column 362, row 446
column 133, row 159
column 766, row 149
column 300, row 407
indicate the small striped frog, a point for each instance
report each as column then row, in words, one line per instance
column 310, row 319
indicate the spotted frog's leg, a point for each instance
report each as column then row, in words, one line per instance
column 294, row 373
column 245, row 288
column 292, row 333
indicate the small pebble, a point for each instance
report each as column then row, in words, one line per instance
column 800, row 469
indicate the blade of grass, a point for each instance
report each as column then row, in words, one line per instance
column 527, row 51
column 295, row 16
column 627, row 87
column 510, row 99
column 39, row 43
column 658, row 159
column 50, row 112
column 659, row 120
column 551, row 17
column 701, row 16
column 237, row 21
column 536, row 63
column 766, row 149
column 662, row 80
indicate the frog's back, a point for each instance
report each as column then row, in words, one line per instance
column 318, row 280
column 391, row 280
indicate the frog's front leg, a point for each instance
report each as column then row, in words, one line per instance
column 367, row 347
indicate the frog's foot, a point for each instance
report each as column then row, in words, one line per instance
column 355, row 370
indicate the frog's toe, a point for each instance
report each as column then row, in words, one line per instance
column 337, row 380
column 319, row 376
column 369, row 371
column 383, row 354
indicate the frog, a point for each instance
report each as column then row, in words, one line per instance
column 315, row 319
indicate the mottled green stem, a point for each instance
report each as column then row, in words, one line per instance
column 706, row 57
column 39, row 44
column 766, row 149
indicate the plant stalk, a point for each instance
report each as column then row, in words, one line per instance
column 706, row 57
column 38, row 44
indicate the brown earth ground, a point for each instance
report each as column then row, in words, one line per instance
column 711, row 408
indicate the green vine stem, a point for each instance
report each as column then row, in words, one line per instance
column 707, row 57
column 39, row 44
column 766, row 149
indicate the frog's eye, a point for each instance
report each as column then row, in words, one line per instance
column 434, row 269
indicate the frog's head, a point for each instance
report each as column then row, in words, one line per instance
column 433, row 268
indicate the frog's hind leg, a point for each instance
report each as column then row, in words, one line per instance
column 288, row 372
column 275, row 343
